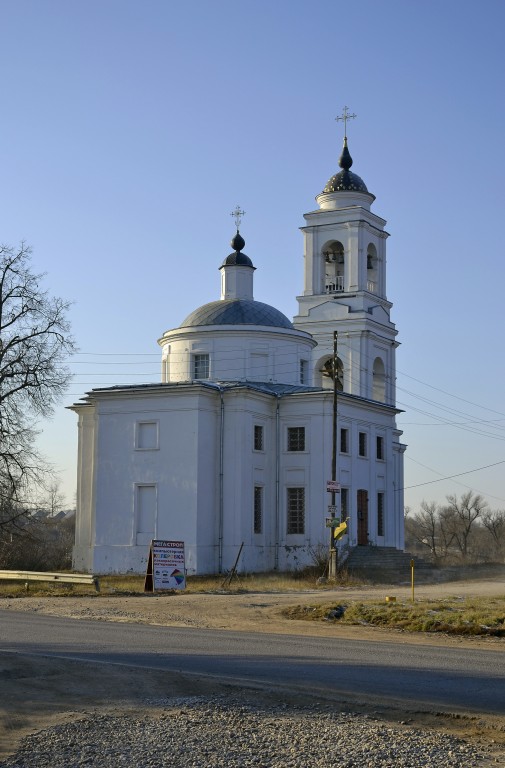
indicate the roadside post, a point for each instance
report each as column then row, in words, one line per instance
column 412, row 577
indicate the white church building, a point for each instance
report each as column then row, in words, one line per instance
column 235, row 445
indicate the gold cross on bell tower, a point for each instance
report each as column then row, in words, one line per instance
column 345, row 116
column 237, row 214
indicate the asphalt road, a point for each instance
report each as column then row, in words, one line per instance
column 424, row 676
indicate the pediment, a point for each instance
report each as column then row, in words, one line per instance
column 328, row 310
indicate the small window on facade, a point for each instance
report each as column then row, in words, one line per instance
column 380, row 514
column 296, row 438
column 362, row 444
column 380, row 447
column 258, row 437
column 344, row 503
column 146, row 435
column 296, row 511
column 304, row 371
column 258, row 509
column 344, row 441
column 200, row 366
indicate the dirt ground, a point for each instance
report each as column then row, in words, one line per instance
column 38, row 693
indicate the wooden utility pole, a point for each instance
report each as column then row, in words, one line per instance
column 332, row 563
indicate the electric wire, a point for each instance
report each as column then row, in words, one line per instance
column 470, row 425
column 442, row 477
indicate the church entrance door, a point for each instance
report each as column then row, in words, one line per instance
column 362, row 518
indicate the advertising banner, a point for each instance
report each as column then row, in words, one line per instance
column 166, row 566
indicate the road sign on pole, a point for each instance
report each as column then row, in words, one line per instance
column 332, row 486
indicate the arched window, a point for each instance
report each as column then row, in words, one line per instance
column 334, row 262
column 325, row 371
column 379, row 381
column 372, row 272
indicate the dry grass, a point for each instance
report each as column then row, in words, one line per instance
column 482, row 616
column 118, row 585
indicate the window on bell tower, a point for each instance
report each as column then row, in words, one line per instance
column 379, row 381
column 334, row 263
column 372, row 273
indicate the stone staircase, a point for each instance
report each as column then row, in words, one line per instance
column 386, row 565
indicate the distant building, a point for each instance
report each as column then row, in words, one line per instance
column 234, row 445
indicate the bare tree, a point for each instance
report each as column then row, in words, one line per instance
column 446, row 529
column 494, row 523
column 423, row 528
column 52, row 500
column 462, row 514
column 45, row 544
column 34, row 342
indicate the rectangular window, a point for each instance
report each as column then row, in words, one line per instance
column 304, row 371
column 344, row 503
column 146, row 435
column 200, row 366
column 296, row 510
column 380, row 447
column 296, row 438
column 145, row 514
column 344, row 441
column 380, row 514
column 258, row 509
column 258, row 437
column 362, row 444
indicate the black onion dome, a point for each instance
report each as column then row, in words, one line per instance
column 237, row 259
column 237, row 312
column 345, row 180
column 238, row 242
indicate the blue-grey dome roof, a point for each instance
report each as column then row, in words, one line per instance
column 237, row 312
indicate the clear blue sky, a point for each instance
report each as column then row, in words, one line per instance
column 131, row 129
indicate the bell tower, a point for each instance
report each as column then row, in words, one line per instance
column 345, row 288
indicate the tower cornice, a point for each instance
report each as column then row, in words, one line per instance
column 322, row 218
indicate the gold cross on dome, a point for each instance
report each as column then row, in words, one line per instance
column 345, row 117
column 237, row 215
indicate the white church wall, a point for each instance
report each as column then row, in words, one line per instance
column 167, row 448
column 85, row 519
column 249, row 353
column 178, row 470
column 201, row 537
column 245, row 409
column 367, row 472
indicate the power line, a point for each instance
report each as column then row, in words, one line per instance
column 450, row 477
column 463, row 485
column 463, row 400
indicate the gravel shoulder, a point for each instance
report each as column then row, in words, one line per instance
column 41, row 695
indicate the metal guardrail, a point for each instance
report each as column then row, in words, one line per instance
column 62, row 578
